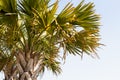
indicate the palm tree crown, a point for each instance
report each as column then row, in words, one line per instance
column 32, row 34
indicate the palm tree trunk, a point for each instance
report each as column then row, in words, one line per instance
column 10, row 73
column 25, row 68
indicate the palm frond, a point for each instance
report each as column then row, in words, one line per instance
column 79, row 41
column 9, row 6
column 85, row 16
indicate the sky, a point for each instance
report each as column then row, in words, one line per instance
column 108, row 66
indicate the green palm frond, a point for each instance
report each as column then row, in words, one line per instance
column 83, row 41
column 9, row 6
column 27, row 6
column 85, row 16
column 49, row 55
column 8, row 12
column 79, row 41
column 54, row 66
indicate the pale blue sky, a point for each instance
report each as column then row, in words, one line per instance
column 108, row 66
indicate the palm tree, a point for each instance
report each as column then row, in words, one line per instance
column 32, row 35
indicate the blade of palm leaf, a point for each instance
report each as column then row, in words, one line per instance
column 66, row 7
column 41, row 18
column 25, row 7
column 79, row 6
column 86, row 12
column 2, row 3
column 51, row 14
column 11, row 6
column 67, row 10
column 65, row 53
column 90, row 44
column 20, row 6
column 14, row 5
column 87, row 24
